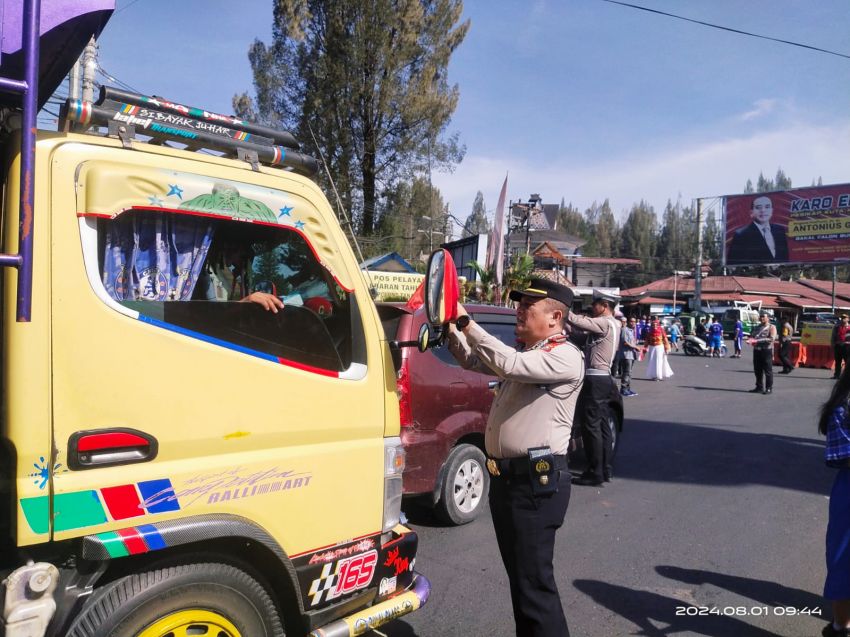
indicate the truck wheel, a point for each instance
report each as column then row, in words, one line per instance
column 466, row 484
column 192, row 599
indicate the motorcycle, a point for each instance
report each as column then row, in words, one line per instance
column 695, row 346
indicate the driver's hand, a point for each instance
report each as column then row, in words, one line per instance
column 268, row 301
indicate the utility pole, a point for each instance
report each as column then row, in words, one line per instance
column 89, row 70
column 698, row 270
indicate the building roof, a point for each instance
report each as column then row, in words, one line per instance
column 389, row 262
column 770, row 291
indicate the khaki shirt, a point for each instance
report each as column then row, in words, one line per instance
column 603, row 342
column 535, row 404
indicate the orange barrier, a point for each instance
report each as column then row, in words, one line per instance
column 819, row 356
column 797, row 354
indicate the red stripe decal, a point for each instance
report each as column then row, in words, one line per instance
column 122, row 501
column 133, row 541
column 308, row 368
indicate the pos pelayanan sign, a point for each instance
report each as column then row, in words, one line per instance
column 393, row 286
column 804, row 225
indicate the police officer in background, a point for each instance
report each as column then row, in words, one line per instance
column 526, row 440
column 603, row 340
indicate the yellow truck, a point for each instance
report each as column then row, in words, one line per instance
column 199, row 430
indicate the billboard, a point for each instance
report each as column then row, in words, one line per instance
column 804, row 225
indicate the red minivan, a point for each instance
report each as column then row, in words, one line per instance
column 444, row 411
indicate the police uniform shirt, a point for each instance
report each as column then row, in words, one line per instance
column 606, row 339
column 764, row 335
column 535, row 404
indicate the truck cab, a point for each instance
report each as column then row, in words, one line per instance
column 199, row 422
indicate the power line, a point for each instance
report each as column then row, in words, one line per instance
column 109, row 77
column 127, row 6
column 730, row 29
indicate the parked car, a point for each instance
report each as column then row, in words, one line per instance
column 818, row 317
column 444, row 412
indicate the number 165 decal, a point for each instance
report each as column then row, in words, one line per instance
column 350, row 574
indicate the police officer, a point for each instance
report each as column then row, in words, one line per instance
column 762, row 340
column 526, row 439
column 603, row 339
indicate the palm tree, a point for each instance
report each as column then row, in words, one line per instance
column 486, row 284
column 518, row 275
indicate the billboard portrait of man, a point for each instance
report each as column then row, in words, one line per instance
column 760, row 241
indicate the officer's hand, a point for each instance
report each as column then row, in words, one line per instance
column 460, row 311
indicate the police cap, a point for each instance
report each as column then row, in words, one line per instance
column 545, row 289
column 601, row 295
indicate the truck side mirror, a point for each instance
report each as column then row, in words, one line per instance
column 441, row 289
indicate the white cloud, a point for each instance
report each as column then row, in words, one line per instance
column 760, row 109
column 713, row 168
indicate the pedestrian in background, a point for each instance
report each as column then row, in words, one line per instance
column 715, row 338
column 739, row 339
column 762, row 341
column 835, row 425
column 628, row 352
column 526, row 439
column 785, row 336
column 840, row 348
column 675, row 334
column 657, row 345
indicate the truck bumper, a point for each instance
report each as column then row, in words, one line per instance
column 363, row 621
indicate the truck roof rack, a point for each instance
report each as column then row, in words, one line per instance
column 128, row 115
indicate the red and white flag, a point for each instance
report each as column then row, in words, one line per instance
column 496, row 245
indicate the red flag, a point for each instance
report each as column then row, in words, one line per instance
column 417, row 299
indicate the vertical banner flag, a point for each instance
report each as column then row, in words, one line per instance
column 496, row 245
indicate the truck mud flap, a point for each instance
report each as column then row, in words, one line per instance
column 363, row 621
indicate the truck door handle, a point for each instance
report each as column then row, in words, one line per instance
column 110, row 447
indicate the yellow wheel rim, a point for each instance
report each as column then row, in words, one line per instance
column 193, row 622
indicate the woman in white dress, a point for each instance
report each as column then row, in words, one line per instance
column 658, row 346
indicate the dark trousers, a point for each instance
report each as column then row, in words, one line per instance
column 525, row 527
column 763, row 368
column 842, row 355
column 595, row 433
column 626, row 373
column 785, row 355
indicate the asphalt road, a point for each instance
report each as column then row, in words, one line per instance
column 718, row 506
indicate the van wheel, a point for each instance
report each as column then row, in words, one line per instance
column 615, row 435
column 465, row 486
column 193, row 599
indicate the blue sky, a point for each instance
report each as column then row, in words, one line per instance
column 577, row 99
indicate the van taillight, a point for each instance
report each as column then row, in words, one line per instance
column 402, row 389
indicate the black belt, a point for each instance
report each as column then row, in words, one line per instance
column 518, row 466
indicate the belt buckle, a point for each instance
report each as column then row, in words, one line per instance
column 493, row 467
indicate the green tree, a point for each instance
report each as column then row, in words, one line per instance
column 571, row 221
column 603, row 232
column 518, row 275
column 476, row 222
column 638, row 239
column 413, row 220
column 673, row 250
column 485, row 285
column 370, row 81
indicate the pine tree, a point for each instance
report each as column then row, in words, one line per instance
column 476, row 222
column 370, row 81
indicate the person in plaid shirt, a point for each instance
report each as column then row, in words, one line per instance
column 835, row 425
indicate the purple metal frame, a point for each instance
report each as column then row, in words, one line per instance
column 29, row 89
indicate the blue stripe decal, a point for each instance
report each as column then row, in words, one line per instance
column 207, row 339
column 152, row 537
